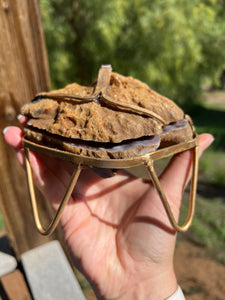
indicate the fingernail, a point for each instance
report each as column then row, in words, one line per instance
column 211, row 139
column 19, row 117
column 22, row 119
column 6, row 129
column 208, row 141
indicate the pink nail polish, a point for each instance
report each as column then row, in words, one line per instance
column 6, row 129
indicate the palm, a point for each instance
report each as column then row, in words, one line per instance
column 112, row 223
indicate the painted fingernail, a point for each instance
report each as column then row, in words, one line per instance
column 210, row 140
column 22, row 119
column 207, row 142
column 6, row 129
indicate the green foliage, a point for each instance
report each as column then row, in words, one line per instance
column 212, row 166
column 210, row 117
column 2, row 225
column 172, row 45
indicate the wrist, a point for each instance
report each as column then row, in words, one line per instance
column 178, row 295
column 159, row 287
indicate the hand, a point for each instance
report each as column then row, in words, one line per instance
column 116, row 228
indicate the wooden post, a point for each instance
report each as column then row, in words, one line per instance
column 23, row 72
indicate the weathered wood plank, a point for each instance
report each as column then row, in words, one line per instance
column 15, row 286
column 23, row 72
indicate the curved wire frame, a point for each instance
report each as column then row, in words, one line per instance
column 82, row 161
column 51, row 227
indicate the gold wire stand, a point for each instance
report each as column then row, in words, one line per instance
column 82, row 161
column 100, row 94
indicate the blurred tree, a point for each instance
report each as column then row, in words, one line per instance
column 172, row 45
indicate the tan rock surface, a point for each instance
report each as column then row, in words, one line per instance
column 96, row 122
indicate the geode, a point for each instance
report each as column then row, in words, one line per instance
column 124, row 119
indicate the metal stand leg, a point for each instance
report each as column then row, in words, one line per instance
column 55, row 220
column 191, row 209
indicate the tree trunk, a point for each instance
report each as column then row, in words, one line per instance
column 23, row 73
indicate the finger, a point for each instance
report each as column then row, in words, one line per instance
column 43, row 176
column 22, row 119
column 13, row 136
column 44, row 169
column 177, row 173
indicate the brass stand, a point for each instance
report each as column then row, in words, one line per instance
column 100, row 94
column 81, row 161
